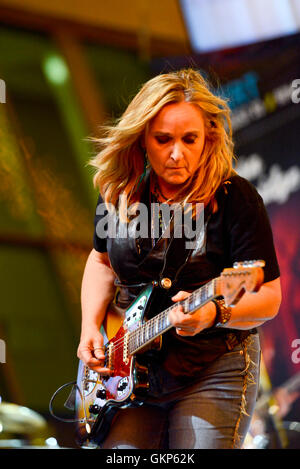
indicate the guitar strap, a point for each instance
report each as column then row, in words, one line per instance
column 170, row 254
column 175, row 257
column 166, row 258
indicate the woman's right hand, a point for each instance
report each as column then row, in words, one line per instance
column 91, row 350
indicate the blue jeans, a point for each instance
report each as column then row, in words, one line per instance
column 212, row 413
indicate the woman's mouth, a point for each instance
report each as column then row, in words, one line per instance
column 181, row 167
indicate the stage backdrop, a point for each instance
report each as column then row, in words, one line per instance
column 262, row 82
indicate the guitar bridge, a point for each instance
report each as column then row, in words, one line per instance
column 125, row 349
column 111, row 356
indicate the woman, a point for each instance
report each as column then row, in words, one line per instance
column 174, row 144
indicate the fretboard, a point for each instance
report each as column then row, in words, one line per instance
column 293, row 384
column 160, row 324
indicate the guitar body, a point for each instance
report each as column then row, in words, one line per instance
column 127, row 333
column 101, row 396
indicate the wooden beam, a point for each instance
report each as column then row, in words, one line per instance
column 128, row 40
column 84, row 84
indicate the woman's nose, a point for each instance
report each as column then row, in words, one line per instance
column 176, row 153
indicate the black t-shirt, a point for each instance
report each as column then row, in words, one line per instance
column 239, row 230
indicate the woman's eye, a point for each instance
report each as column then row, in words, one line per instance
column 162, row 139
column 189, row 139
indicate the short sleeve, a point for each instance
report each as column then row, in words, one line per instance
column 249, row 229
column 99, row 240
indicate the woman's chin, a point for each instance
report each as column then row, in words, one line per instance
column 175, row 180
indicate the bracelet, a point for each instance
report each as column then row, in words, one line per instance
column 223, row 314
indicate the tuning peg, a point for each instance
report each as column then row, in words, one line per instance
column 237, row 265
column 245, row 264
column 259, row 263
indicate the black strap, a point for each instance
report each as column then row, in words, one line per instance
column 176, row 256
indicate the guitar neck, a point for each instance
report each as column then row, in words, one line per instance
column 293, row 384
column 290, row 386
column 160, row 324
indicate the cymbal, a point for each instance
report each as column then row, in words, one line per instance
column 19, row 419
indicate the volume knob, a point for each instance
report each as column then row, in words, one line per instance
column 101, row 394
column 94, row 409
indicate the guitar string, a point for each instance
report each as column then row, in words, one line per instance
column 142, row 334
column 202, row 294
column 145, row 324
column 118, row 344
column 136, row 334
column 158, row 317
column 143, row 331
column 152, row 320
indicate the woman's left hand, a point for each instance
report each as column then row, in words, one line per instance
column 191, row 324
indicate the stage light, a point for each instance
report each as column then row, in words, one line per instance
column 51, row 442
column 56, row 69
column 222, row 24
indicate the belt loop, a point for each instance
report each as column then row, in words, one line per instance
column 231, row 340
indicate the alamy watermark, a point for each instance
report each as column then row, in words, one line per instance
column 296, row 353
column 296, row 93
column 2, row 351
column 2, row 91
column 137, row 224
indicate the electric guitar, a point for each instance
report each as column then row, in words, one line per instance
column 127, row 333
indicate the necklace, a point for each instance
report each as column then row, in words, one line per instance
column 156, row 215
column 158, row 193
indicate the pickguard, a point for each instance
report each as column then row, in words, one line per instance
column 135, row 313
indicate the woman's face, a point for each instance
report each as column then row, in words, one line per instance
column 174, row 144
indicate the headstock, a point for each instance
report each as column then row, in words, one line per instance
column 244, row 276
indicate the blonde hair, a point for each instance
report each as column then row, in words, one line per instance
column 120, row 163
